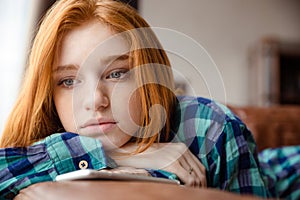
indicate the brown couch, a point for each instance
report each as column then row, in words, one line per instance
column 272, row 127
column 116, row 190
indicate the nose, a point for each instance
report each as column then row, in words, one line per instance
column 98, row 100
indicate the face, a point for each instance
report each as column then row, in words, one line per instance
column 94, row 88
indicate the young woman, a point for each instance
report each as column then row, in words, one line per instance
column 100, row 86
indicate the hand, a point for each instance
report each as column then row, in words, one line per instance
column 172, row 157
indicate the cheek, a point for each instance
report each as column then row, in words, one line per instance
column 135, row 108
column 126, row 103
column 126, row 108
column 65, row 111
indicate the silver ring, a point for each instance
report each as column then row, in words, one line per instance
column 191, row 170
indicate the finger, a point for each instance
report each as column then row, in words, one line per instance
column 195, row 168
column 181, row 173
column 188, row 169
column 183, row 161
column 199, row 169
column 182, row 170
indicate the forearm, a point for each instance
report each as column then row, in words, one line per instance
column 43, row 161
column 126, row 157
column 169, row 160
column 157, row 156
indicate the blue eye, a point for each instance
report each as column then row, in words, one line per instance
column 69, row 82
column 118, row 74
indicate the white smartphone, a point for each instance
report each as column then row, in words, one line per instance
column 91, row 174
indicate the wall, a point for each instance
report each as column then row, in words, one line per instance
column 16, row 18
column 226, row 29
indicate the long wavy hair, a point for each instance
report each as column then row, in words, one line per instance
column 34, row 115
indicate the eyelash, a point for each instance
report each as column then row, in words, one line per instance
column 63, row 82
column 124, row 74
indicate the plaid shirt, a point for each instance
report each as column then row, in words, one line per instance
column 227, row 149
column 219, row 139
column 43, row 161
column 281, row 170
column 222, row 143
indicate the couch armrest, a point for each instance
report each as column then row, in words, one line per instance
column 73, row 190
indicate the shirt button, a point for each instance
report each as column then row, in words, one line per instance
column 83, row 164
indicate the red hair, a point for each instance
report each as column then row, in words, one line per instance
column 34, row 115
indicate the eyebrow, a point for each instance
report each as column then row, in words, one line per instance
column 67, row 67
column 109, row 59
column 113, row 58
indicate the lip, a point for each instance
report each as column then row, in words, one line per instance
column 96, row 125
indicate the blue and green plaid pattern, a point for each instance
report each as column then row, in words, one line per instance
column 281, row 168
column 222, row 143
column 43, row 161
column 227, row 149
column 218, row 138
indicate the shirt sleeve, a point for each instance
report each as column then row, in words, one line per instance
column 44, row 160
column 223, row 145
column 162, row 174
column 236, row 168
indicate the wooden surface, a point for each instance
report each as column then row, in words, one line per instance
column 110, row 190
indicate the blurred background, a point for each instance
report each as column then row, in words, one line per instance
column 254, row 44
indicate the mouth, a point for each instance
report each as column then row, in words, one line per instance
column 98, row 126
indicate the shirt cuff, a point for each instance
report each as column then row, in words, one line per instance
column 162, row 174
column 70, row 152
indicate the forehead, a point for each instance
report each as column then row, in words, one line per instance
column 92, row 40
